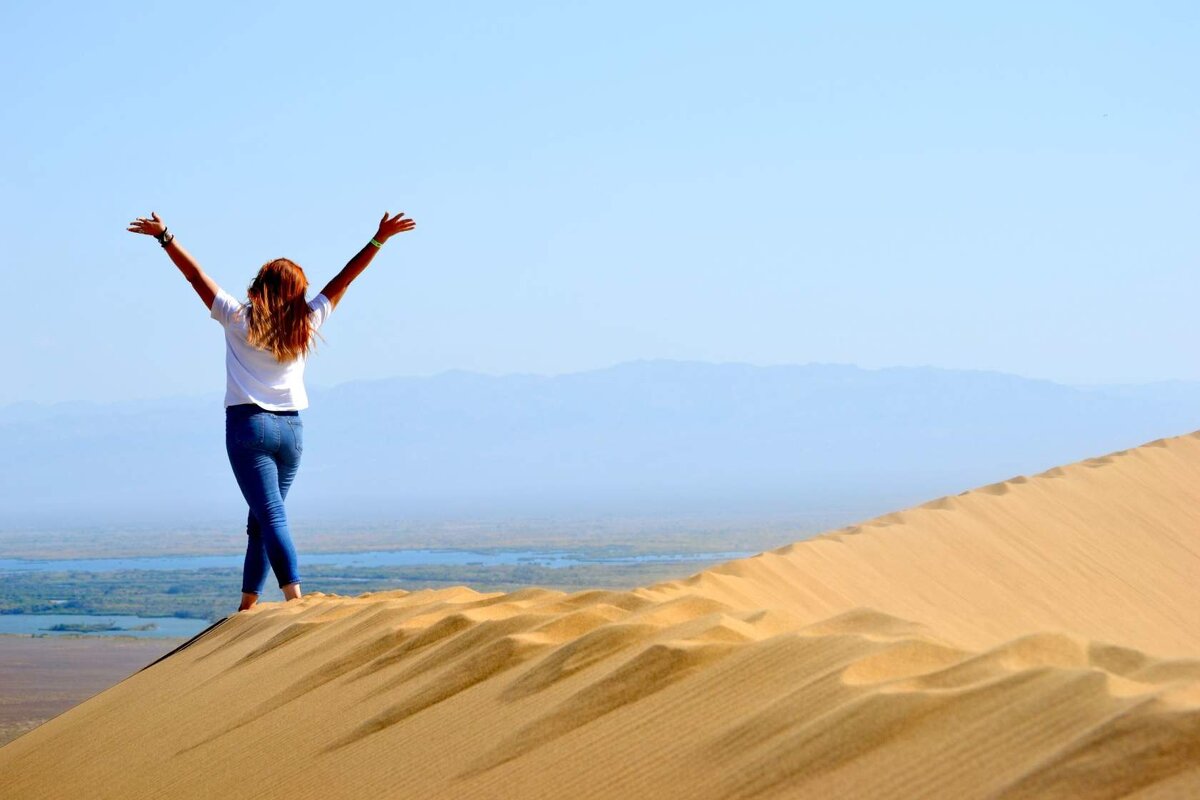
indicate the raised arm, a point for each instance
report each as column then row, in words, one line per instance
column 205, row 286
column 355, row 266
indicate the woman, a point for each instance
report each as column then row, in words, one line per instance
column 266, row 343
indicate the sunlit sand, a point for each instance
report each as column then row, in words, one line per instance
column 1038, row 637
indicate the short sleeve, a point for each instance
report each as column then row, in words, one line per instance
column 224, row 307
column 319, row 309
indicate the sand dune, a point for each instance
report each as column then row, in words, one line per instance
column 1034, row 638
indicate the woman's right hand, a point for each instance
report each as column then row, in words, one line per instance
column 390, row 227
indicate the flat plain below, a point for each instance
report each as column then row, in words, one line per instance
column 43, row 676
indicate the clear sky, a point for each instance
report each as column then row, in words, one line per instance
column 1009, row 187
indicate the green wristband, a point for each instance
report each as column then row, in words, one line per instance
column 377, row 244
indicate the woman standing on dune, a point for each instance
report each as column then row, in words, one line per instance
column 267, row 341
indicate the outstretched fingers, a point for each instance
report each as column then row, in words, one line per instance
column 395, row 224
column 147, row 225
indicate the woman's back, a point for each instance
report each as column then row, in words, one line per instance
column 253, row 374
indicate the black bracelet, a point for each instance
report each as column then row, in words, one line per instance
column 164, row 239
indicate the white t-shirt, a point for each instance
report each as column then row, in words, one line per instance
column 252, row 375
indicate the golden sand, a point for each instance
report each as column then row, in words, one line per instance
column 1034, row 638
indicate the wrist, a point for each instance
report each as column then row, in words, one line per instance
column 378, row 240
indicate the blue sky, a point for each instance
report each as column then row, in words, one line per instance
column 1010, row 187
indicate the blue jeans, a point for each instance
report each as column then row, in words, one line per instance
column 264, row 450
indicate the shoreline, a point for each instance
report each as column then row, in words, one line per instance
column 95, row 637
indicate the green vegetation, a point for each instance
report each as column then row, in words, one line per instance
column 97, row 627
column 84, row 627
column 213, row 593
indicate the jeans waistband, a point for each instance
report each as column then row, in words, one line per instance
column 254, row 408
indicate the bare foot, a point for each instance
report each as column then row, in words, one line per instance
column 248, row 600
column 292, row 591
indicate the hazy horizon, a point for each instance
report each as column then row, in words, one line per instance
column 650, row 437
column 319, row 387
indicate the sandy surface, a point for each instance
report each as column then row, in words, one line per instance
column 1035, row 638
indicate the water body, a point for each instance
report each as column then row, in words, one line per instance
column 379, row 558
column 163, row 626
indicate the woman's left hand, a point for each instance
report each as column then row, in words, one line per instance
column 151, row 227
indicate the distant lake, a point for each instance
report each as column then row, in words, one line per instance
column 378, row 558
column 163, row 626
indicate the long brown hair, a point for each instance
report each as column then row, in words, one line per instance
column 278, row 315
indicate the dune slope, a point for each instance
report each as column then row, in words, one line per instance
column 1034, row 638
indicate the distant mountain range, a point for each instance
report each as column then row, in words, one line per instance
column 641, row 437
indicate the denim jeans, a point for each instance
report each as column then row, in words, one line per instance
column 264, row 450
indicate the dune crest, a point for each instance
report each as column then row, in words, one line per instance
column 1107, row 547
column 1033, row 638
